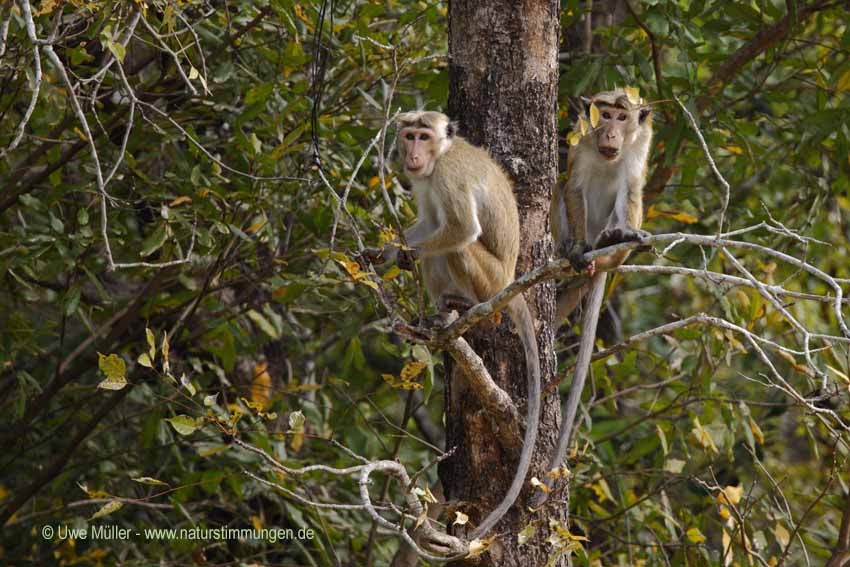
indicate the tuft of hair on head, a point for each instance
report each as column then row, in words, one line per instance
column 436, row 121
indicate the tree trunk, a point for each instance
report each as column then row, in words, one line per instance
column 503, row 75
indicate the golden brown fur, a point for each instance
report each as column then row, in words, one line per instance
column 600, row 204
column 467, row 236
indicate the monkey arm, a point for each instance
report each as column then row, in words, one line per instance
column 457, row 224
column 634, row 208
column 576, row 211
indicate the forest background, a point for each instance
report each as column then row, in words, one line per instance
column 184, row 187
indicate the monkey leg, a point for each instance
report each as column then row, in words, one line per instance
column 438, row 280
column 568, row 301
column 618, row 234
column 479, row 272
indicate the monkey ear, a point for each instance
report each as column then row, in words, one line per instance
column 451, row 129
column 644, row 112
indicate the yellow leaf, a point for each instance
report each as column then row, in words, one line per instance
column 429, row 496
column 165, row 349
column 582, row 125
column 352, row 267
column 296, row 425
column 757, row 432
column 113, row 365
column 91, row 493
column 793, row 362
column 727, row 553
column 603, row 492
column 257, row 522
column 703, row 437
column 149, row 480
column 374, row 181
column 725, row 514
column 840, row 374
column 411, row 370
column 730, row 495
column 526, row 533
column 734, row 342
column 574, row 138
column 737, row 150
column 387, row 235
column 261, row 386
column 594, row 115
column 634, row 94
column 107, row 508
column 151, row 343
column 115, row 370
column 559, row 472
column 145, row 360
column 655, row 212
column 371, row 284
column 478, row 546
column 782, row 535
column 535, row 482
column 460, row 519
column 79, row 133
column 180, row 200
column 256, row 226
column 844, row 82
column 695, row 536
column 422, row 517
column 392, row 273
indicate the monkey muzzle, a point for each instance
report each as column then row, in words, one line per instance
column 608, row 152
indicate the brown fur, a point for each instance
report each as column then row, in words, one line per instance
column 467, row 236
column 600, row 203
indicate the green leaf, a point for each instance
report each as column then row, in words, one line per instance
column 264, row 324
column 107, row 509
column 184, row 424
column 115, row 370
column 153, row 242
column 149, row 480
column 145, row 360
column 151, row 343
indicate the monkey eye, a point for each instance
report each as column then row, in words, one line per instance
column 424, row 137
column 606, row 115
column 621, row 117
column 410, row 136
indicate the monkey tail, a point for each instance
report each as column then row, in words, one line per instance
column 568, row 412
column 521, row 316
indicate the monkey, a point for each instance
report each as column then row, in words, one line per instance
column 600, row 204
column 466, row 236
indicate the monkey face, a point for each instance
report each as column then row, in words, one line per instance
column 611, row 131
column 419, row 148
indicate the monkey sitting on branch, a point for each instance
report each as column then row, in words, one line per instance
column 466, row 236
column 600, row 204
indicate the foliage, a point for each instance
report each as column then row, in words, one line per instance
column 235, row 307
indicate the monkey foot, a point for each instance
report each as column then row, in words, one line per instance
column 574, row 251
column 619, row 235
column 454, row 303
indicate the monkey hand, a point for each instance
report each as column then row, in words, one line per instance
column 618, row 235
column 574, row 251
column 370, row 256
column 406, row 259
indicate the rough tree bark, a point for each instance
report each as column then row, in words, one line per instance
column 503, row 74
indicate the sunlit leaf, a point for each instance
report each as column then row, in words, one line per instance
column 594, row 115
column 184, row 424
column 107, row 509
